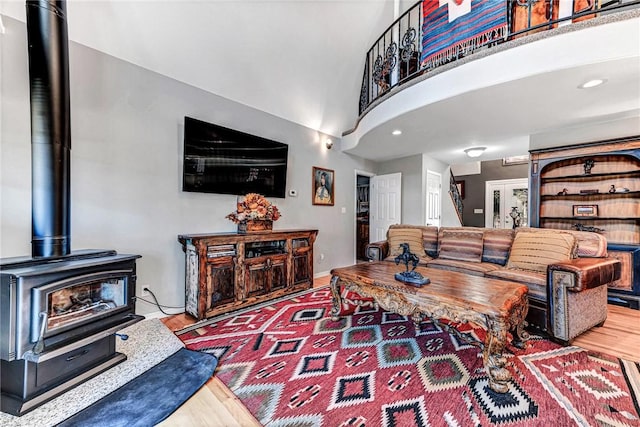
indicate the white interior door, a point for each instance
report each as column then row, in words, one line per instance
column 507, row 201
column 384, row 204
column 434, row 190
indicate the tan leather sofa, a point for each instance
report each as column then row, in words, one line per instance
column 566, row 271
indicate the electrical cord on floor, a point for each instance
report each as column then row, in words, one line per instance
column 155, row 301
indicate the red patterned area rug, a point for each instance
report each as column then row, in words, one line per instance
column 291, row 365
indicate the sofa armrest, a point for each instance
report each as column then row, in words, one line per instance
column 577, row 295
column 587, row 273
column 377, row 251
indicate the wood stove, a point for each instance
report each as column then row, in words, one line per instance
column 58, row 319
column 59, row 310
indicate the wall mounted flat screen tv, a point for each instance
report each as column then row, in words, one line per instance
column 226, row 161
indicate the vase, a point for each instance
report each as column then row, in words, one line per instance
column 255, row 226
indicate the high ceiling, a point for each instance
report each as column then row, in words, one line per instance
column 302, row 61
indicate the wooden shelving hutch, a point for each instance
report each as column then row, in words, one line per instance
column 228, row 271
column 594, row 186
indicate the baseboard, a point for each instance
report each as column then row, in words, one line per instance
column 321, row 274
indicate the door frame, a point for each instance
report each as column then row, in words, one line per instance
column 357, row 172
column 488, row 197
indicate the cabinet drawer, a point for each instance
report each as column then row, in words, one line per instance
column 66, row 365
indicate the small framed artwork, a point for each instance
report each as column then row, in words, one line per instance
column 585, row 210
column 323, row 186
column 460, row 185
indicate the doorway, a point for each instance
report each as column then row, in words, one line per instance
column 362, row 215
column 385, row 204
column 507, row 203
column 434, row 188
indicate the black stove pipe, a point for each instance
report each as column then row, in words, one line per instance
column 50, row 127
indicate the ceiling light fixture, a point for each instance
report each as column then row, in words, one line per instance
column 591, row 83
column 475, row 151
column 396, row 132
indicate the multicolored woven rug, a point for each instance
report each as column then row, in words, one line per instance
column 291, row 365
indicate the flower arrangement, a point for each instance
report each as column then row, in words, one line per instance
column 254, row 207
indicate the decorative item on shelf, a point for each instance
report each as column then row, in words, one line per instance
column 581, row 227
column 613, row 189
column 564, row 192
column 410, row 277
column 254, row 213
column 585, row 210
column 588, row 165
column 591, row 191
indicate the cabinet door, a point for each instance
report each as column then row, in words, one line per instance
column 256, row 277
column 278, row 273
column 220, row 282
column 302, row 265
column 626, row 258
column 265, row 274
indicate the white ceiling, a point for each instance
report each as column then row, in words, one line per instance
column 300, row 60
column 303, row 60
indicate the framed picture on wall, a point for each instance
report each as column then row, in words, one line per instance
column 323, row 186
column 585, row 210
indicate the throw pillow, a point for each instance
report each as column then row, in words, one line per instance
column 412, row 236
column 430, row 240
column 497, row 244
column 461, row 246
column 534, row 251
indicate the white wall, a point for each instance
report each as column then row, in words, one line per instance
column 126, row 166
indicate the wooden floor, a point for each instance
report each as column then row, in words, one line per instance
column 214, row 405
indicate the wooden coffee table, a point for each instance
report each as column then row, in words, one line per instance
column 498, row 306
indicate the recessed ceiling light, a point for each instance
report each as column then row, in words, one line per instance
column 396, row 132
column 591, row 83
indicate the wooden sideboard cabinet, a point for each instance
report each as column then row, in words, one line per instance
column 228, row 271
column 594, row 187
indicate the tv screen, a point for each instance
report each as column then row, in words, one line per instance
column 227, row 161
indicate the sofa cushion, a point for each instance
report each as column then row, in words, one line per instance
column 472, row 268
column 536, row 282
column 534, row 251
column 497, row 245
column 410, row 235
column 589, row 244
column 461, row 246
column 430, row 241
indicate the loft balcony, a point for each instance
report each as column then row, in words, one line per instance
column 503, row 75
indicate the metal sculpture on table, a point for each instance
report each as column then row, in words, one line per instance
column 410, row 277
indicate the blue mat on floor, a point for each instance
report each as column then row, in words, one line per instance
column 152, row 396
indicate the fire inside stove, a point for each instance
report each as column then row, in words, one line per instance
column 75, row 304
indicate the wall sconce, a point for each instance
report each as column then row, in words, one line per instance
column 329, row 143
column 475, row 151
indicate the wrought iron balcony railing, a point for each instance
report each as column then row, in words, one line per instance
column 413, row 45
